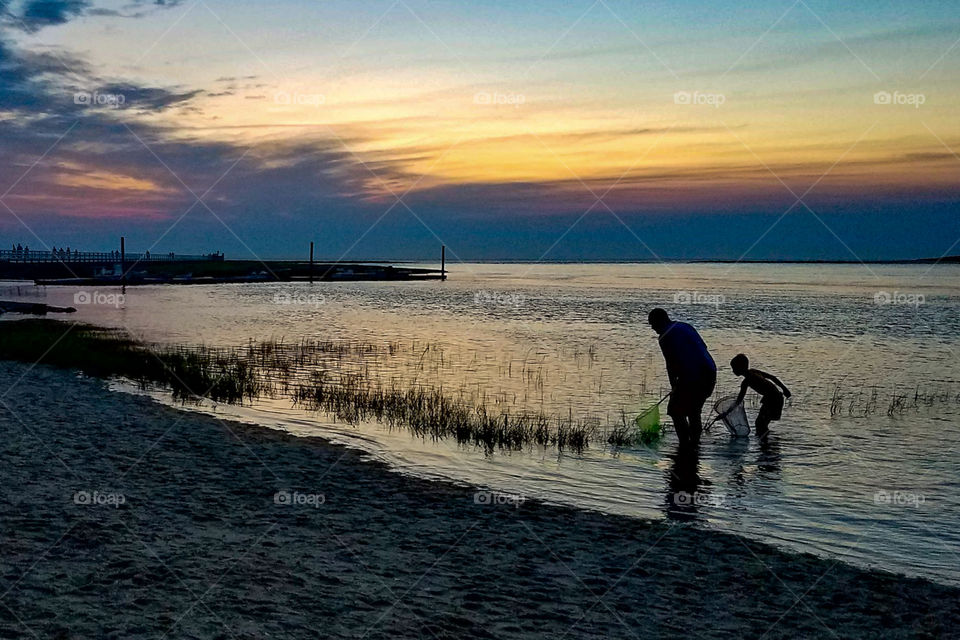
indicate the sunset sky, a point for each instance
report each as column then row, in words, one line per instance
column 507, row 130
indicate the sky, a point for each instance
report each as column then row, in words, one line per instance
column 521, row 130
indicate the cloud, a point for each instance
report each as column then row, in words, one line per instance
column 73, row 161
column 148, row 98
column 37, row 14
column 27, row 79
column 47, row 85
column 42, row 13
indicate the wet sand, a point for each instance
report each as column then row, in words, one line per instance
column 123, row 518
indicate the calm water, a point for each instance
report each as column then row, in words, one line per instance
column 854, row 483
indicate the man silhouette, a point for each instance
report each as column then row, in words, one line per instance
column 691, row 370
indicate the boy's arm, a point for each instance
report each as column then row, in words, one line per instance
column 775, row 380
column 743, row 391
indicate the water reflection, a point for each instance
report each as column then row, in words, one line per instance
column 734, row 453
column 684, row 484
column 742, row 467
column 768, row 462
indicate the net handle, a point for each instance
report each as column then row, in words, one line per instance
column 654, row 406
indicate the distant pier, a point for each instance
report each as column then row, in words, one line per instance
column 27, row 256
column 111, row 268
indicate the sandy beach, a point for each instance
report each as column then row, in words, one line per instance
column 122, row 518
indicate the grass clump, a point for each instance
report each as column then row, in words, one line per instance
column 428, row 412
column 866, row 402
column 103, row 352
column 645, row 430
column 95, row 351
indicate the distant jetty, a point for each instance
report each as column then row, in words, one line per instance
column 32, row 308
column 113, row 268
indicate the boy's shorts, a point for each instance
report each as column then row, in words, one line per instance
column 771, row 407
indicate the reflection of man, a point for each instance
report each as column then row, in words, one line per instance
column 692, row 373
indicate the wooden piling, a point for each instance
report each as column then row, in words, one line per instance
column 443, row 262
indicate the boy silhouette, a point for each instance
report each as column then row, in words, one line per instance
column 771, row 402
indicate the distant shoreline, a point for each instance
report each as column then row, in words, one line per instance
column 918, row 261
column 429, row 261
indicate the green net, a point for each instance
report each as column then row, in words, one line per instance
column 648, row 425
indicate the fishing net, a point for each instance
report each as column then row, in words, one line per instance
column 733, row 415
column 648, row 425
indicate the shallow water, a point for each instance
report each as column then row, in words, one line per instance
column 878, row 490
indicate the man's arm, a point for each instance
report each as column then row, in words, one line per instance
column 669, row 359
column 775, row 380
column 671, row 372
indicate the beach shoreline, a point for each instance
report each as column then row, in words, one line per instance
column 122, row 517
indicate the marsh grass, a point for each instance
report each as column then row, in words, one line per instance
column 109, row 352
column 93, row 350
column 430, row 413
column 336, row 378
column 868, row 401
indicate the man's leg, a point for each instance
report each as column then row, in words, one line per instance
column 696, row 407
column 676, row 409
column 681, row 426
column 696, row 425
